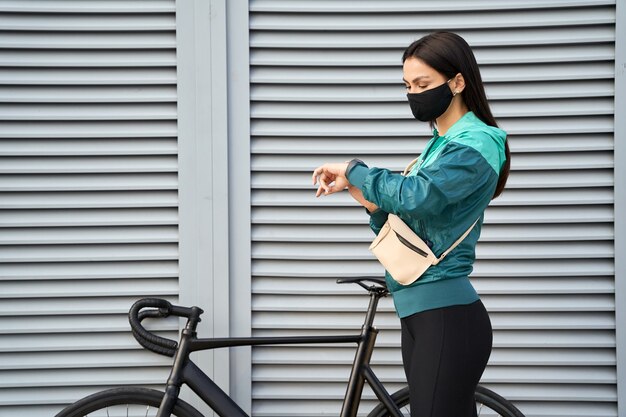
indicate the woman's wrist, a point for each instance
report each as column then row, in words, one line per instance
column 356, row 171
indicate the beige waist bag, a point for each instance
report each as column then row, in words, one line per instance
column 403, row 253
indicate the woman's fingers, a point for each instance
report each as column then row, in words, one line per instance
column 330, row 178
column 317, row 172
column 325, row 182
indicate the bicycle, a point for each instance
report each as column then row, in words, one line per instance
column 139, row 401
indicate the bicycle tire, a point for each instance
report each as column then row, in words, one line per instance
column 127, row 398
column 484, row 397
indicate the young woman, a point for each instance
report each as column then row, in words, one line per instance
column 446, row 332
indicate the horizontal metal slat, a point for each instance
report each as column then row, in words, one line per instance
column 370, row 147
column 406, row 127
column 80, row 360
column 88, row 200
column 70, row 289
column 500, row 320
column 560, row 179
column 93, row 252
column 88, row 58
column 65, row 22
column 489, row 233
column 567, row 409
column 72, row 112
column 394, row 111
column 87, row 76
column 71, row 307
column 295, row 374
column 85, row 182
column 484, row 286
column 88, row 147
column 70, row 216
column 482, row 268
column 306, row 389
column 62, row 343
column 319, row 407
column 503, row 338
column 88, row 6
column 278, row 57
column 96, row 94
column 87, row 273
column 399, row 39
column 534, row 161
column 72, row 325
column 512, row 197
column 494, row 303
column 86, row 129
column 495, row 214
column 92, row 377
column 388, row 75
column 35, row 402
column 484, row 250
column 538, row 178
column 387, row 92
column 89, row 40
column 290, row 21
column 88, row 235
column 360, row 6
column 332, row 355
column 302, row 391
column 86, row 164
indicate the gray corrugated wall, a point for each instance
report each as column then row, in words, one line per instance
column 326, row 86
column 82, row 234
column 88, row 202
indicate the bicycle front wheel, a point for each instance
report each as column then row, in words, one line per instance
column 127, row 402
column 488, row 404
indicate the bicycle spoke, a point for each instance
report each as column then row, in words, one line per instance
column 126, row 410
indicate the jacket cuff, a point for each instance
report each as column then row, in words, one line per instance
column 356, row 173
column 378, row 217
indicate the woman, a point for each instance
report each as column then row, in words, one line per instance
column 446, row 332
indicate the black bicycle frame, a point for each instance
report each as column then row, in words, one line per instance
column 185, row 371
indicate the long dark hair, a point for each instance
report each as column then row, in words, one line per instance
column 449, row 54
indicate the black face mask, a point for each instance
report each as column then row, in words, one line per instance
column 431, row 103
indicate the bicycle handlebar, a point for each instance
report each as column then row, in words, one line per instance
column 164, row 309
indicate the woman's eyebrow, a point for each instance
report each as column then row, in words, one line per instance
column 419, row 77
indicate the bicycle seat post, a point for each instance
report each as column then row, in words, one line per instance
column 371, row 309
column 362, row 356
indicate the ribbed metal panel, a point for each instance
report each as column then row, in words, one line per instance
column 88, row 183
column 326, row 85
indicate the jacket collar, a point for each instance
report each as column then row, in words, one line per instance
column 467, row 118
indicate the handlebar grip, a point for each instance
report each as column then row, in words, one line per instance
column 146, row 339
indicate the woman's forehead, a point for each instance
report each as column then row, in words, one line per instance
column 416, row 68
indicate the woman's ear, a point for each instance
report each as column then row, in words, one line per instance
column 457, row 84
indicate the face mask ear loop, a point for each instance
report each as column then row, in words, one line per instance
column 455, row 91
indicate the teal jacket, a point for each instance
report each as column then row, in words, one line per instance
column 447, row 190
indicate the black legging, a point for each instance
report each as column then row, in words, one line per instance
column 445, row 352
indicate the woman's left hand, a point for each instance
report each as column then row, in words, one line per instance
column 332, row 178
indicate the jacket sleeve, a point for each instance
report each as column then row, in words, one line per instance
column 377, row 219
column 458, row 172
